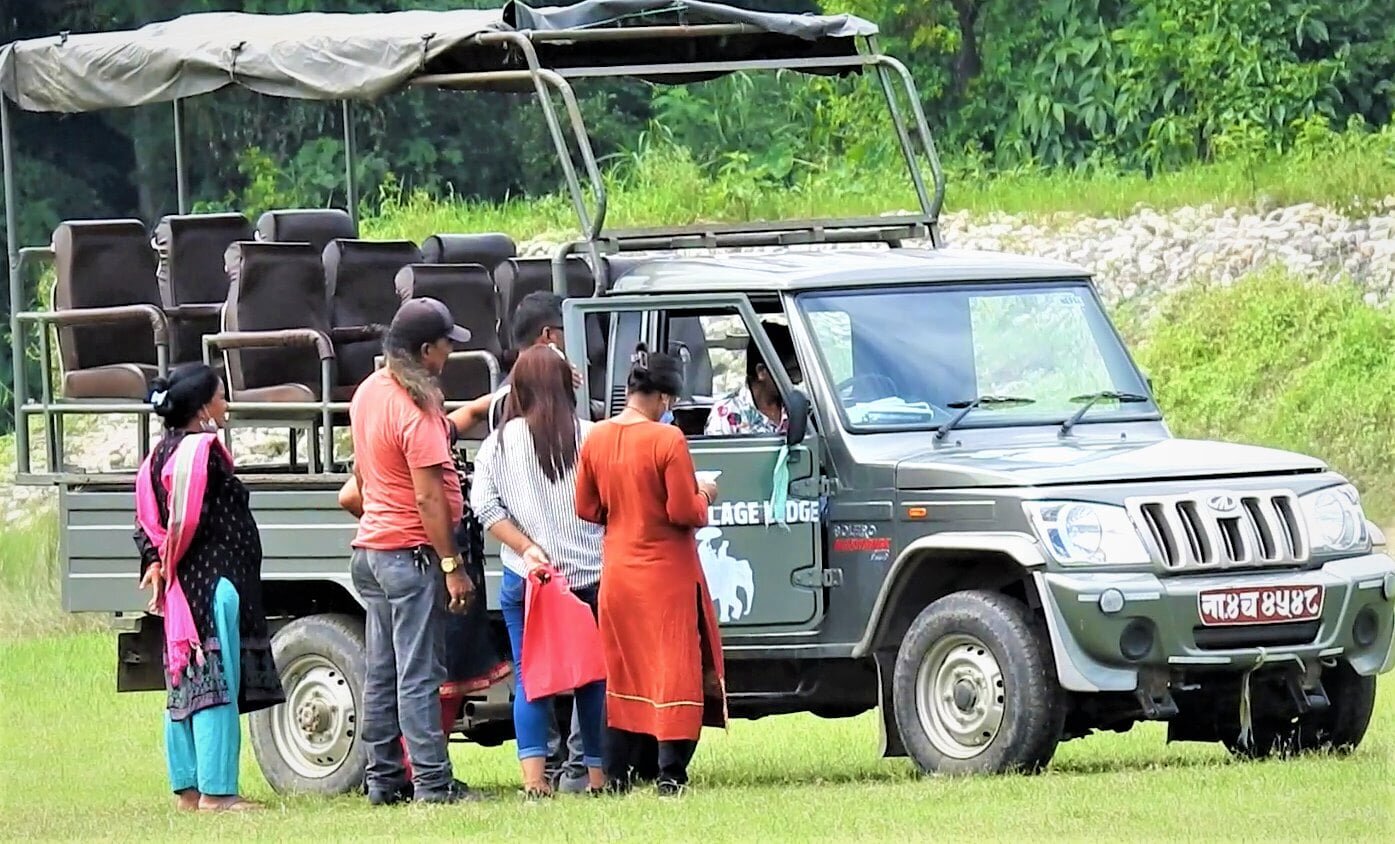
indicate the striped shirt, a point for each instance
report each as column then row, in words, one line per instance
column 509, row 484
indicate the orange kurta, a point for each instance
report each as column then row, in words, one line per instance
column 658, row 626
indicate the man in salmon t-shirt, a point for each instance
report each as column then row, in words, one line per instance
column 405, row 560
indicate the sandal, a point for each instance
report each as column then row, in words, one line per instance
column 237, row 804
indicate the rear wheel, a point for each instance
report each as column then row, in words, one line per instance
column 974, row 688
column 1337, row 729
column 310, row 743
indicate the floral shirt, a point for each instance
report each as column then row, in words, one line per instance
column 736, row 414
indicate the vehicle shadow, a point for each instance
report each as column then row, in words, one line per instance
column 898, row 772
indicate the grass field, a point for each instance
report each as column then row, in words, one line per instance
column 80, row 762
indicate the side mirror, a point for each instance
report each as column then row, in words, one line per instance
column 797, row 411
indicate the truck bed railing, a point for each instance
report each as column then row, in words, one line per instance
column 547, row 61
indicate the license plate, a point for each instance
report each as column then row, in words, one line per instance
column 1259, row 605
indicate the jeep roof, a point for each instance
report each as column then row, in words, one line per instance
column 791, row 271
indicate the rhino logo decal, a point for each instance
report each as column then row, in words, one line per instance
column 728, row 578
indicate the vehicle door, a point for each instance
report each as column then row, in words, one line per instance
column 761, row 552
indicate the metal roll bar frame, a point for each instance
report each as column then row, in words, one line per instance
column 545, row 81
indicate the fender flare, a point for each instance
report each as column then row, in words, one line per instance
column 1021, row 547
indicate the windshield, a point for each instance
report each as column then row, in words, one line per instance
column 914, row 357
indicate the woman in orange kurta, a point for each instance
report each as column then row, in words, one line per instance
column 663, row 654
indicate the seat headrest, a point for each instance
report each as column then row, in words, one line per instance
column 489, row 250
column 113, row 256
column 466, row 289
column 366, row 262
column 173, row 227
column 315, row 226
column 194, row 246
column 522, row 276
column 245, row 256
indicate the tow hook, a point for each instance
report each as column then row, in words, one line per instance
column 1155, row 697
column 1311, row 699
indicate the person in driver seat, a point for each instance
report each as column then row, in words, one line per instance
column 757, row 407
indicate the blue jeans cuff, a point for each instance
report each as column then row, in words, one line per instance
column 532, row 753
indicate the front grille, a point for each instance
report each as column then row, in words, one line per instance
column 1222, row 529
column 1256, row 635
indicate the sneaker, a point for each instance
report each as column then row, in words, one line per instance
column 456, row 792
column 391, row 796
column 670, row 788
column 572, row 784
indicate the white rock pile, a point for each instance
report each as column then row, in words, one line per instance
column 1151, row 253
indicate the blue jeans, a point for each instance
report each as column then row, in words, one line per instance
column 532, row 720
column 406, row 666
column 202, row 750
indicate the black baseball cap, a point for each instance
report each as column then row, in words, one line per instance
column 421, row 321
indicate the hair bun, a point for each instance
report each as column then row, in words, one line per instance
column 159, row 398
column 639, row 361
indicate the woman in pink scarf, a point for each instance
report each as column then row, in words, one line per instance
column 201, row 557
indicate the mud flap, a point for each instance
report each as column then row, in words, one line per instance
column 889, row 738
column 140, row 664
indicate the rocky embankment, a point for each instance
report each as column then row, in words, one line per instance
column 1137, row 259
column 1150, row 253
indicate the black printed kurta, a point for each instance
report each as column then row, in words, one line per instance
column 226, row 545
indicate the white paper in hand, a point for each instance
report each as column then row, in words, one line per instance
column 708, row 476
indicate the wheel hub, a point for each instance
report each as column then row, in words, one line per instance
column 313, row 717
column 314, row 729
column 965, row 695
column 960, row 697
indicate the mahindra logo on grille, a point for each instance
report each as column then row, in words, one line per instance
column 1222, row 503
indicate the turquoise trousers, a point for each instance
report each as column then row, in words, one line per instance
column 203, row 749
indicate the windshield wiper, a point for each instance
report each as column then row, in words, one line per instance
column 1091, row 399
column 967, row 407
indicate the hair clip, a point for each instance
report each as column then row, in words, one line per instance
column 158, row 397
column 640, row 358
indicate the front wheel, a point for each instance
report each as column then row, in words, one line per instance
column 310, row 744
column 1337, row 729
column 974, row 688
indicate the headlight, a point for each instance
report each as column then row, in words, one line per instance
column 1335, row 520
column 1086, row 534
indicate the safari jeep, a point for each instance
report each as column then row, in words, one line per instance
column 976, row 523
column 988, row 532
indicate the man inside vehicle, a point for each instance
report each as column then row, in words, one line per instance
column 757, row 407
column 537, row 321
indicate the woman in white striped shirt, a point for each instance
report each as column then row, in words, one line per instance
column 525, row 496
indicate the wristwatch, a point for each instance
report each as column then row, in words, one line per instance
column 449, row 564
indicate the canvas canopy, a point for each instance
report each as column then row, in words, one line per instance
column 325, row 56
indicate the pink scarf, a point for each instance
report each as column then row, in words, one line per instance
column 185, row 479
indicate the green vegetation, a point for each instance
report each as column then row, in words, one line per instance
column 1278, row 361
column 794, row 778
column 663, row 184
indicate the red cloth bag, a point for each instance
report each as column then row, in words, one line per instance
column 561, row 643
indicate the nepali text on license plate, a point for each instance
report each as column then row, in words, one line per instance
column 1259, row 605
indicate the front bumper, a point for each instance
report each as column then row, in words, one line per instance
column 1086, row 640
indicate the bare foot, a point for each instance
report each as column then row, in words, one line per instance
column 232, row 803
column 187, row 800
